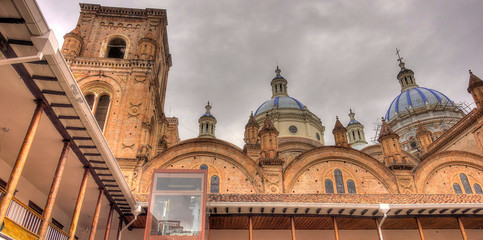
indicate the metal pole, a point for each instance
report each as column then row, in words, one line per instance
column 462, row 229
column 95, row 220
column 293, row 228
column 250, row 228
column 21, row 159
column 420, row 229
column 336, row 229
column 78, row 204
column 54, row 189
column 108, row 224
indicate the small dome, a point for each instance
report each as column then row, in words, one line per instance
column 279, row 102
column 415, row 98
column 353, row 122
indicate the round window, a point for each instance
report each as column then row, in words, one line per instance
column 292, row 129
column 317, row 135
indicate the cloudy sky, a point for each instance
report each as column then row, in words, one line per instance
column 335, row 55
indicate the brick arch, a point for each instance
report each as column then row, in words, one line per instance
column 105, row 42
column 202, row 147
column 338, row 154
column 436, row 166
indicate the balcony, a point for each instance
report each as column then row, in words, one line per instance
column 22, row 222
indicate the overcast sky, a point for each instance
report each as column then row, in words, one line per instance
column 335, row 55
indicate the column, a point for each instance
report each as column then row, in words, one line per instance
column 336, row 229
column 21, row 159
column 293, row 228
column 54, row 188
column 78, row 204
column 109, row 220
column 119, row 227
column 95, row 219
column 462, row 229
column 250, row 228
column 420, row 229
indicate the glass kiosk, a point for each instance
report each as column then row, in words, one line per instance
column 177, row 205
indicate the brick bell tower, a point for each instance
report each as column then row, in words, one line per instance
column 120, row 58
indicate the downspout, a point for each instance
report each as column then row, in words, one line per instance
column 384, row 208
column 136, row 213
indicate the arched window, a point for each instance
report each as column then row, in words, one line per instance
column 339, row 181
column 351, row 186
column 466, row 183
column 90, row 98
column 359, row 133
column 457, row 188
column 116, row 48
column 203, row 166
column 353, row 135
column 329, row 187
column 477, row 188
column 215, row 184
column 101, row 110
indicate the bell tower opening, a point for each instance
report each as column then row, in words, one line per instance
column 116, row 48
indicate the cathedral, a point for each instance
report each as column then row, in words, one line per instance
column 421, row 180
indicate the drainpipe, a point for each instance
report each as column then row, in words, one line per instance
column 136, row 213
column 384, row 208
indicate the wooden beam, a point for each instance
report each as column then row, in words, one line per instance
column 21, row 159
column 293, row 228
column 420, row 229
column 95, row 219
column 109, row 221
column 54, row 189
column 336, row 229
column 462, row 229
column 78, row 204
column 250, row 228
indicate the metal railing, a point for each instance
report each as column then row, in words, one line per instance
column 30, row 220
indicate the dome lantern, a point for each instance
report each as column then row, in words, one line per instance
column 405, row 76
column 207, row 123
column 279, row 85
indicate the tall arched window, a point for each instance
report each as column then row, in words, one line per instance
column 339, row 181
column 203, row 166
column 457, row 188
column 329, row 187
column 466, row 183
column 477, row 188
column 351, row 186
column 215, row 184
column 101, row 110
column 116, row 48
column 90, row 98
column 99, row 105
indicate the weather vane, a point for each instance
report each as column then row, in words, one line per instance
column 399, row 58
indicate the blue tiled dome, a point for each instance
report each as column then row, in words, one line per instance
column 415, row 98
column 279, row 102
column 353, row 122
column 207, row 115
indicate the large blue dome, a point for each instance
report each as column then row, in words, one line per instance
column 415, row 98
column 279, row 102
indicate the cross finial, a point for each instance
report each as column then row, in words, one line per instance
column 277, row 71
column 399, row 58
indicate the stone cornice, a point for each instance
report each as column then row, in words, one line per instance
column 110, row 63
column 116, row 11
